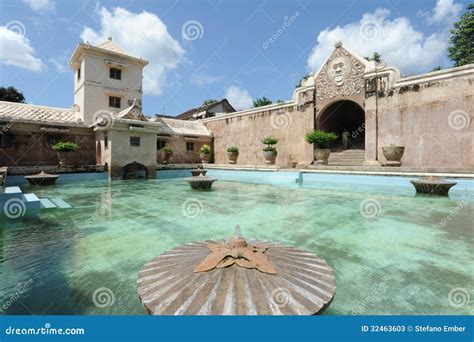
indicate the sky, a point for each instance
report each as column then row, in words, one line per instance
column 214, row 49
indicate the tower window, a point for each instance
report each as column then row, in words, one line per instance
column 106, row 142
column 135, row 141
column 2, row 141
column 115, row 73
column 189, row 146
column 78, row 74
column 52, row 139
column 114, row 101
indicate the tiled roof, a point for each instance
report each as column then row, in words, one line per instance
column 111, row 46
column 189, row 113
column 183, row 127
column 26, row 112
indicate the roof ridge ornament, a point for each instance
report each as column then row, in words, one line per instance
column 338, row 44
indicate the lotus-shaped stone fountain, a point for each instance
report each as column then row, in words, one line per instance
column 201, row 182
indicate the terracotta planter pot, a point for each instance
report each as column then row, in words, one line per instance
column 393, row 155
column 321, row 155
column 66, row 158
column 233, row 157
column 270, row 157
column 165, row 156
column 205, row 157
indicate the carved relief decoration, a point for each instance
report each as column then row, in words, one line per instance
column 342, row 75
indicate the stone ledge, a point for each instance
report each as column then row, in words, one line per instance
column 28, row 170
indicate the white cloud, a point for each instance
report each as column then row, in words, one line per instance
column 41, row 6
column 444, row 11
column 143, row 35
column 59, row 66
column 238, row 98
column 15, row 49
column 397, row 40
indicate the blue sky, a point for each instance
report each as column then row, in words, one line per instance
column 230, row 55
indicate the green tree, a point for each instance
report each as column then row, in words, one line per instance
column 11, row 94
column 377, row 57
column 209, row 102
column 461, row 51
column 437, row 68
column 262, row 101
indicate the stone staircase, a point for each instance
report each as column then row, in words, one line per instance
column 353, row 157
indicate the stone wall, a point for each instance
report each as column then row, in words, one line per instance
column 431, row 116
column 180, row 154
column 288, row 122
column 28, row 145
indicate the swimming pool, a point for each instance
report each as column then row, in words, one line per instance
column 393, row 252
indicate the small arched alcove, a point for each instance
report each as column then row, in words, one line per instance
column 134, row 171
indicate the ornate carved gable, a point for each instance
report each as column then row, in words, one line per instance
column 132, row 113
column 341, row 75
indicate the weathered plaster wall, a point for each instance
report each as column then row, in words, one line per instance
column 180, row 154
column 26, row 145
column 286, row 122
column 433, row 120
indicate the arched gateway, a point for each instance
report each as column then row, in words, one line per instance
column 340, row 100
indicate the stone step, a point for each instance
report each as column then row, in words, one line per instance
column 358, row 163
column 31, row 201
column 60, row 203
column 47, row 204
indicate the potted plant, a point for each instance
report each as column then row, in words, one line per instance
column 65, row 150
column 269, row 151
column 205, row 153
column 393, row 154
column 233, row 154
column 166, row 153
column 321, row 139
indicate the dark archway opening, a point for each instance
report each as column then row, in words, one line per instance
column 344, row 115
column 134, row 171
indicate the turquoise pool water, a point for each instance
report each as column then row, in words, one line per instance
column 393, row 252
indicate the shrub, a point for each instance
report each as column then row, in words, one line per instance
column 65, row 146
column 269, row 141
column 320, row 138
column 167, row 149
column 205, row 149
column 233, row 149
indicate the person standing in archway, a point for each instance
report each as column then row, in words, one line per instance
column 345, row 136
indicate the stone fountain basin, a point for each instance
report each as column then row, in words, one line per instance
column 432, row 186
column 201, row 182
